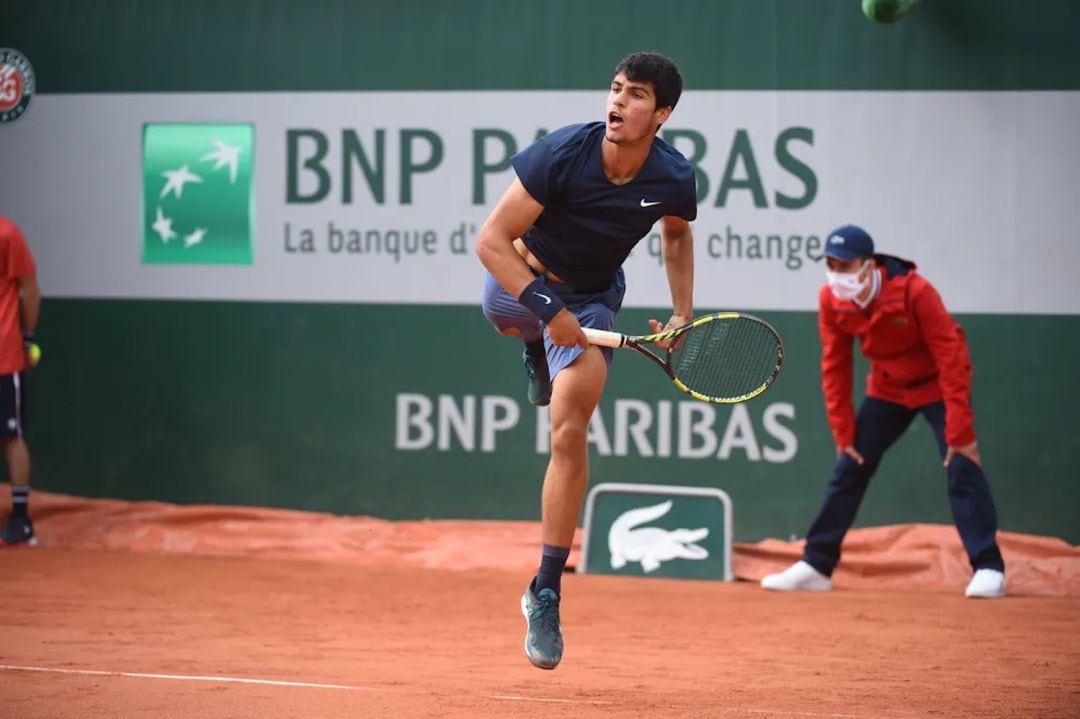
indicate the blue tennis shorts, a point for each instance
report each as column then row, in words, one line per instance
column 592, row 309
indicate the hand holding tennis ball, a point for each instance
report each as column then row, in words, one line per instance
column 33, row 353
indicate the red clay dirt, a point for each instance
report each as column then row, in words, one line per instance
column 171, row 631
column 437, row 643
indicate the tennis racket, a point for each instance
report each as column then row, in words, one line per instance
column 724, row 358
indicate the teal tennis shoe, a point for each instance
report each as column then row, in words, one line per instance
column 543, row 636
column 536, row 367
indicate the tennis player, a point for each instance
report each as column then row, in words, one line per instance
column 554, row 246
column 20, row 301
column 919, row 364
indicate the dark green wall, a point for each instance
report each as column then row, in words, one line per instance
column 192, row 45
column 292, row 405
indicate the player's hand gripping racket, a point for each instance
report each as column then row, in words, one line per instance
column 725, row 358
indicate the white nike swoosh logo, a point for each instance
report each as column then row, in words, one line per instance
column 545, row 298
column 648, row 204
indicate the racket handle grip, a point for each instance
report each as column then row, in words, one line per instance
column 603, row 338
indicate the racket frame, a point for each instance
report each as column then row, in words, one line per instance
column 606, row 338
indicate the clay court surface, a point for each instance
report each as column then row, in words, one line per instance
column 92, row 629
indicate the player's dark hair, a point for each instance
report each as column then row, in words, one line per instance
column 658, row 69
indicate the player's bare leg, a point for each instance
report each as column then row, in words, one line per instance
column 573, row 399
column 18, row 529
column 17, row 456
column 574, row 396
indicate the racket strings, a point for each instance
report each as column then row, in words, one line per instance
column 726, row 358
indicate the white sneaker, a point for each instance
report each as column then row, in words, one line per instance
column 986, row 584
column 800, row 576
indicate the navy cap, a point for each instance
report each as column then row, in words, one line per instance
column 848, row 242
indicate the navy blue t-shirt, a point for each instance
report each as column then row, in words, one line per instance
column 589, row 224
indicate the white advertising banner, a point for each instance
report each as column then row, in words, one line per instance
column 377, row 197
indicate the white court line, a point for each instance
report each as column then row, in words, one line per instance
column 268, row 682
column 316, row 685
column 179, row 677
column 546, row 700
column 788, row 713
column 726, row 710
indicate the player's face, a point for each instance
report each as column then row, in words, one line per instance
column 632, row 113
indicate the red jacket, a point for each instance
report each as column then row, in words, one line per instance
column 918, row 353
column 15, row 263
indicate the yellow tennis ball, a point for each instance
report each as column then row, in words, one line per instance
column 888, row 10
column 34, row 352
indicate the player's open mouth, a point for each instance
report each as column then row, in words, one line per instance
column 614, row 120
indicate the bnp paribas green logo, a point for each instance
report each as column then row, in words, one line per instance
column 197, row 193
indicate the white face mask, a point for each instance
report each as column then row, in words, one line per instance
column 848, row 285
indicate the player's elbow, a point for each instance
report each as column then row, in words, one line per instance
column 486, row 241
column 676, row 244
column 30, row 293
column 486, row 246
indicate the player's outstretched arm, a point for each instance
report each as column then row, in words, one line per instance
column 677, row 244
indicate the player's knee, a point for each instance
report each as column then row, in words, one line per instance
column 568, row 438
column 507, row 324
column 501, row 324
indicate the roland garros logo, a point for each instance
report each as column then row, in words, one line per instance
column 16, row 84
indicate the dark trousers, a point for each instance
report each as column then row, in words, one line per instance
column 878, row 425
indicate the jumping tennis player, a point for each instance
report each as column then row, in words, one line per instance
column 554, row 246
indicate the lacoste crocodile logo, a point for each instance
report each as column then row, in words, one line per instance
column 629, row 542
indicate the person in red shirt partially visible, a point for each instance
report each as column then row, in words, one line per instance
column 20, row 301
column 919, row 364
